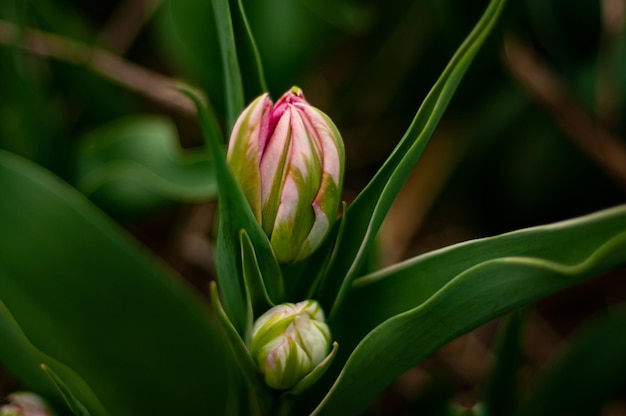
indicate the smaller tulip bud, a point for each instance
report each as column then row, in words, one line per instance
column 25, row 404
column 288, row 158
column 289, row 341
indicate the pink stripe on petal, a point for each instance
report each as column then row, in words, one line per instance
column 272, row 164
column 302, row 155
column 251, row 124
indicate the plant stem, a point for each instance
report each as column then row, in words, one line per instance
column 152, row 85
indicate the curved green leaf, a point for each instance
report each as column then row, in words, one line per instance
column 407, row 311
column 72, row 402
column 254, row 378
column 588, row 374
column 253, row 50
column 135, row 163
column 366, row 214
column 237, row 345
column 253, row 280
column 88, row 296
column 413, row 281
column 27, row 362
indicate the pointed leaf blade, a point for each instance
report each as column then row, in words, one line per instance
column 25, row 361
column 70, row 399
column 235, row 215
column 233, row 84
column 253, row 50
column 484, row 279
column 366, row 214
column 500, row 397
column 253, row 279
column 97, row 301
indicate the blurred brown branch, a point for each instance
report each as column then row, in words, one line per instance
column 158, row 88
column 589, row 134
column 126, row 22
column 610, row 68
column 419, row 193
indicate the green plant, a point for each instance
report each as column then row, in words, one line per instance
column 119, row 334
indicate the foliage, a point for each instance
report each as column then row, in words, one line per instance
column 99, row 325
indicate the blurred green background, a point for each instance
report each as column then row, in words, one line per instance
column 534, row 134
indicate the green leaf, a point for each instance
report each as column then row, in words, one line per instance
column 253, row 50
column 29, row 117
column 233, row 85
column 235, row 215
column 186, row 36
column 245, row 361
column 366, row 214
column 414, row 281
column 501, row 390
column 253, row 280
column 135, row 164
column 70, row 399
column 19, row 356
column 88, row 296
column 587, row 375
column 403, row 313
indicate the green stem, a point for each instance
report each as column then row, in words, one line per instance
column 230, row 64
column 254, row 49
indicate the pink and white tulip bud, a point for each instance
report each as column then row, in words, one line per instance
column 288, row 158
column 289, row 341
column 25, row 404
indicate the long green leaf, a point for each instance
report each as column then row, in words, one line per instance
column 366, row 214
column 501, row 390
column 413, row 281
column 253, row 280
column 26, row 361
column 588, row 374
column 235, row 215
column 72, row 402
column 405, row 312
column 263, row 396
column 230, row 64
column 90, row 297
column 253, row 50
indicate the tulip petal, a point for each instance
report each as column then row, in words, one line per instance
column 326, row 202
column 329, row 140
column 289, row 341
column 245, row 148
column 296, row 190
column 273, row 165
column 295, row 217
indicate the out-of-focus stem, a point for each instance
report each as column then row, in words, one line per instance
column 158, row 88
column 126, row 22
column 591, row 136
column 610, row 60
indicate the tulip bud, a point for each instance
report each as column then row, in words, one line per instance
column 289, row 341
column 288, row 158
column 25, row 404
